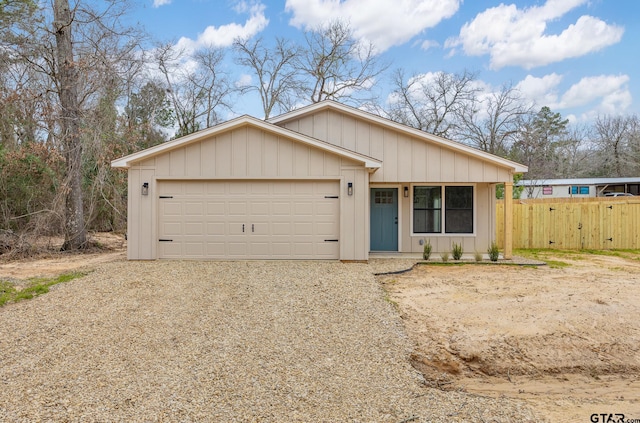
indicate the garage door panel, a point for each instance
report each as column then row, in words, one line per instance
column 281, row 208
column 249, row 219
column 283, row 228
column 194, row 249
column 259, row 188
column 216, row 208
column 194, row 208
column 238, row 188
column 303, row 208
column 281, row 249
column 171, row 209
column 216, row 228
column 237, row 208
column 284, row 188
column 216, row 249
column 170, row 188
column 259, row 208
column 325, row 209
column 303, row 249
column 194, row 228
column 303, row 228
column 195, row 188
column 238, row 249
column 328, row 228
column 170, row 228
column 170, row 250
column 216, row 188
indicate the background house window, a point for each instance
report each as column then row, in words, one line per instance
column 584, row 190
column 458, row 213
column 427, row 210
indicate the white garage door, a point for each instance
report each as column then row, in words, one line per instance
column 248, row 219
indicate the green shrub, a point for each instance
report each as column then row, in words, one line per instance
column 457, row 251
column 445, row 256
column 493, row 251
column 426, row 250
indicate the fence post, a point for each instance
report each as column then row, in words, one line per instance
column 508, row 220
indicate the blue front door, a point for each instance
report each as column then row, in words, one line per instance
column 384, row 219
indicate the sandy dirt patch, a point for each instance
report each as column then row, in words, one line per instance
column 51, row 262
column 565, row 339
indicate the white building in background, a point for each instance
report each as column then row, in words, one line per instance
column 579, row 187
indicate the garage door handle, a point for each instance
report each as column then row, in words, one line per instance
column 243, row 227
column 330, row 240
column 165, row 240
column 252, row 228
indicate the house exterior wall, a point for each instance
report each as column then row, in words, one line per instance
column 404, row 158
column 479, row 240
column 409, row 161
column 247, row 153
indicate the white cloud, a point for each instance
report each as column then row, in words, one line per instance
column 516, row 37
column 224, row 35
column 158, row 3
column 427, row 44
column 385, row 23
column 542, row 91
column 605, row 93
column 611, row 89
column 244, row 80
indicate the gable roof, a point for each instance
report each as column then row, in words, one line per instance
column 127, row 161
column 416, row 133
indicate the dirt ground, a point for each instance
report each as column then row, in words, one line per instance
column 50, row 263
column 564, row 337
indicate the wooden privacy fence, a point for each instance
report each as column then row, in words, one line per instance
column 589, row 223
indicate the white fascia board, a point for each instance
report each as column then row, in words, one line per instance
column 452, row 145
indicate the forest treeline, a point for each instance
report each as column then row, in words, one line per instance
column 78, row 88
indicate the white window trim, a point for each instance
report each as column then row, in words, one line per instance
column 444, row 233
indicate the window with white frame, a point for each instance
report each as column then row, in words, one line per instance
column 438, row 209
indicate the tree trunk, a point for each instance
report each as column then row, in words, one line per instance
column 67, row 79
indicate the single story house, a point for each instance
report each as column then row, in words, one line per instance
column 326, row 181
column 578, row 187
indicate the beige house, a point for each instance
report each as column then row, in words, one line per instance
column 326, row 181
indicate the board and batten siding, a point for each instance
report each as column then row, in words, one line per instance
column 248, row 153
column 405, row 158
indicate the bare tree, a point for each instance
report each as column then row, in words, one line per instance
column 196, row 86
column 278, row 82
column 491, row 122
column 64, row 70
column 67, row 78
column 431, row 102
column 617, row 141
column 573, row 154
column 337, row 66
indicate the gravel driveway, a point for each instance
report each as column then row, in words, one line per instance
column 221, row 341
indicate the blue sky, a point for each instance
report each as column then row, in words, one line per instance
column 579, row 57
